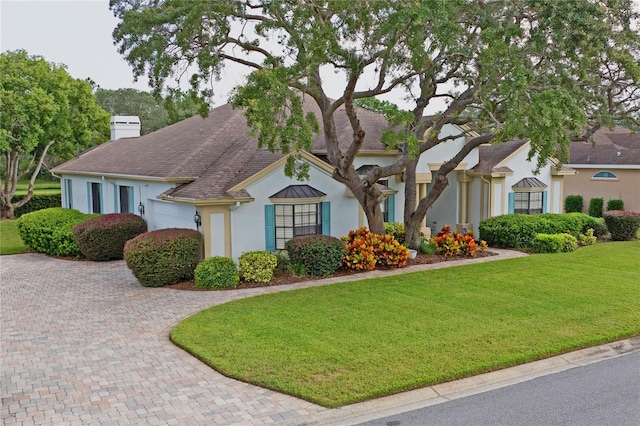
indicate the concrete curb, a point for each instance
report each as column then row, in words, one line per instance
column 437, row 394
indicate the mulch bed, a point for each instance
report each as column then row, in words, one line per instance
column 421, row 259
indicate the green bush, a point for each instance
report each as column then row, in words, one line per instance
column 258, row 266
column 37, row 202
column 519, row 230
column 587, row 239
column 427, row 247
column 49, row 230
column 615, row 205
column 284, row 263
column 589, row 222
column 554, row 243
column 622, row 225
column 103, row 237
column 396, row 229
column 320, row 254
column 573, row 203
column 164, row 257
column 596, row 207
column 216, row 272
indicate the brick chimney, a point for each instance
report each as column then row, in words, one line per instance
column 124, row 126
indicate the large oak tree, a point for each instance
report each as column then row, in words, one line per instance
column 545, row 70
column 44, row 111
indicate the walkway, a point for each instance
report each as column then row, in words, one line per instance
column 84, row 343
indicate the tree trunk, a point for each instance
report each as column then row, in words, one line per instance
column 11, row 182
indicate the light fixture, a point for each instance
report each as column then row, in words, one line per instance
column 141, row 208
column 197, row 218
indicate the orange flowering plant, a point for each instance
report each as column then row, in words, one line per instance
column 366, row 250
column 456, row 243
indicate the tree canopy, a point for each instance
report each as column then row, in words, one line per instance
column 155, row 112
column 44, row 111
column 544, row 70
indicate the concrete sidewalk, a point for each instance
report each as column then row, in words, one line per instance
column 84, row 343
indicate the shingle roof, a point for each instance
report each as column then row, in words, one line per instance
column 490, row 156
column 209, row 154
column 529, row 182
column 298, row 191
column 617, row 146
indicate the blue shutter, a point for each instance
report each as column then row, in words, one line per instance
column 89, row 197
column 391, row 207
column 512, row 202
column 100, row 203
column 270, row 227
column 116, row 196
column 544, row 201
column 326, row 218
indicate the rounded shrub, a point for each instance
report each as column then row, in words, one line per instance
column 320, row 254
column 554, row 243
column 573, row 203
column 596, row 207
column 216, row 272
column 622, row 225
column 49, row 230
column 257, row 266
column 164, row 257
column 103, row 237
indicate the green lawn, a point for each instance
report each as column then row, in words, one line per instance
column 41, row 187
column 349, row 342
column 10, row 242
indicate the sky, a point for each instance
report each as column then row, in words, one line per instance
column 78, row 34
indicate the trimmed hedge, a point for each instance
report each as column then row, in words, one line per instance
column 37, row 202
column 519, row 230
column 573, row 204
column 216, row 272
column 622, row 225
column 596, row 207
column 554, row 243
column 49, row 230
column 590, row 222
column 320, row 254
column 164, row 257
column 257, row 266
column 103, row 237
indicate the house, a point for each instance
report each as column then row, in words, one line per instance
column 208, row 174
column 608, row 167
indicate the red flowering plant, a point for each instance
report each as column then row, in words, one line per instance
column 456, row 243
column 366, row 250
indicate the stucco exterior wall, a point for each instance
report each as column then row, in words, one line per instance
column 625, row 188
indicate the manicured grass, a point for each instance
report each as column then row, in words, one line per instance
column 349, row 342
column 41, row 187
column 10, row 241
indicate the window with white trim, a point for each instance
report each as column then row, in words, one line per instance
column 295, row 220
column 528, row 202
column 605, row 175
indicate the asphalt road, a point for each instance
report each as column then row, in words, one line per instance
column 603, row 393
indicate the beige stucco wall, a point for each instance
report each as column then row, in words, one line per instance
column 626, row 188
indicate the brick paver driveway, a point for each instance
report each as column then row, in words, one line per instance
column 84, row 343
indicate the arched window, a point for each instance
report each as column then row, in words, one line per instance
column 605, row 175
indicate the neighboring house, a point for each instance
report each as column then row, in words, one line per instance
column 608, row 168
column 209, row 174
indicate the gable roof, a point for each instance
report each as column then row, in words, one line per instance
column 491, row 157
column 616, row 146
column 209, row 157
